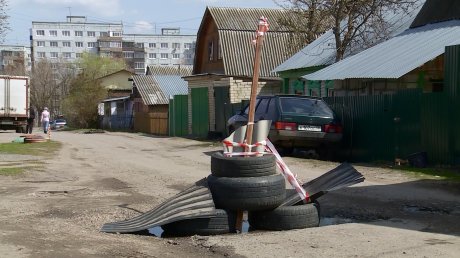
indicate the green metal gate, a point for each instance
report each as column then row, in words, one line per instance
column 200, row 112
column 178, row 115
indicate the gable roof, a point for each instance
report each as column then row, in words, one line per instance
column 237, row 28
column 157, row 89
column 396, row 56
column 434, row 11
column 182, row 70
column 322, row 51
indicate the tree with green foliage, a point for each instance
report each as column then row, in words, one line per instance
column 86, row 91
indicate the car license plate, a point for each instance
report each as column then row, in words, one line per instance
column 310, row 128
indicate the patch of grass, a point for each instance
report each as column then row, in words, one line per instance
column 11, row 171
column 438, row 173
column 45, row 149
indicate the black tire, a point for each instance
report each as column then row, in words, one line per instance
column 222, row 166
column 247, row 193
column 286, row 217
column 223, row 223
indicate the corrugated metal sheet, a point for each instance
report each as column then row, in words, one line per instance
column 245, row 19
column 322, row 51
column 437, row 11
column 396, row 56
column 156, row 89
column 182, row 70
column 238, row 52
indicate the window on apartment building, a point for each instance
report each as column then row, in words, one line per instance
column 116, row 34
column 164, row 45
column 54, row 66
column 175, row 56
column 78, row 33
column 40, row 32
column 40, row 43
column 210, row 51
column 115, row 44
column 79, row 44
column 103, row 34
column 53, row 33
column 187, row 45
column 92, row 44
column 139, row 45
column 78, row 55
column 139, row 65
column 188, row 56
column 67, row 55
column 91, row 34
column 66, row 44
column 176, row 45
column 139, row 55
column 164, row 56
column 41, row 54
column 66, row 33
column 152, row 55
column 152, row 45
column 54, row 54
column 128, row 54
column 53, row 44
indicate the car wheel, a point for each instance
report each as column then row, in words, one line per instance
column 224, row 222
column 247, row 193
column 286, row 217
column 222, row 166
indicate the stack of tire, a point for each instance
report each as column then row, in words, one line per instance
column 247, row 184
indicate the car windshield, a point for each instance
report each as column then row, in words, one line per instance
column 60, row 121
column 311, row 107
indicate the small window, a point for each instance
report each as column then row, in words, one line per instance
column 67, row 55
column 78, row 33
column 188, row 56
column 210, row 51
column 152, row 45
column 91, row 34
column 139, row 65
column 116, row 34
column 139, row 55
column 78, row 55
column 54, row 54
column 128, row 54
column 40, row 33
column 54, row 66
column 53, row 33
column 53, row 44
column 66, row 44
column 139, row 45
column 176, row 45
column 152, row 55
column 175, row 56
column 40, row 43
column 164, row 45
column 66, row 33
column 79, row 44
column 187, row 45
column 92, row 44
column 164, row 56
column 103, row 34
column 41, row 54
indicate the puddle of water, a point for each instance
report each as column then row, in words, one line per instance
column 156, row 231
column 326, row 221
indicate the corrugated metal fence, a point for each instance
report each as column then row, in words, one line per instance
column 388, row 126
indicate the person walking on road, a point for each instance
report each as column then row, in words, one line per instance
column 30, row 122
column 45, row 119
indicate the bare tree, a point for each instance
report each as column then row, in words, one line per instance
column 4, row 24
column 353, row 22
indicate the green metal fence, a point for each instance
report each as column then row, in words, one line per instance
column 178, row 116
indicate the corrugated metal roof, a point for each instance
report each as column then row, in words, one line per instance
column 396, row 56
column 156, row 89
column 437, row 11
column 322, row 51
column 115, row 99
column 238, row 52
column 182, row 70
column 240, row 19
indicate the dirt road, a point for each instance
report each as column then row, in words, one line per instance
column 57, row 211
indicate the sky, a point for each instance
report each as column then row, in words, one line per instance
column 138, row 16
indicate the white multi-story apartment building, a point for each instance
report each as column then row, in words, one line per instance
column 15, row 60
column 68, row 40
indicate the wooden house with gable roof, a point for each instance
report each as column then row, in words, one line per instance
column 224, row 63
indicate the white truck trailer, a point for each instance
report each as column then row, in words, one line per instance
column 14, row 102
